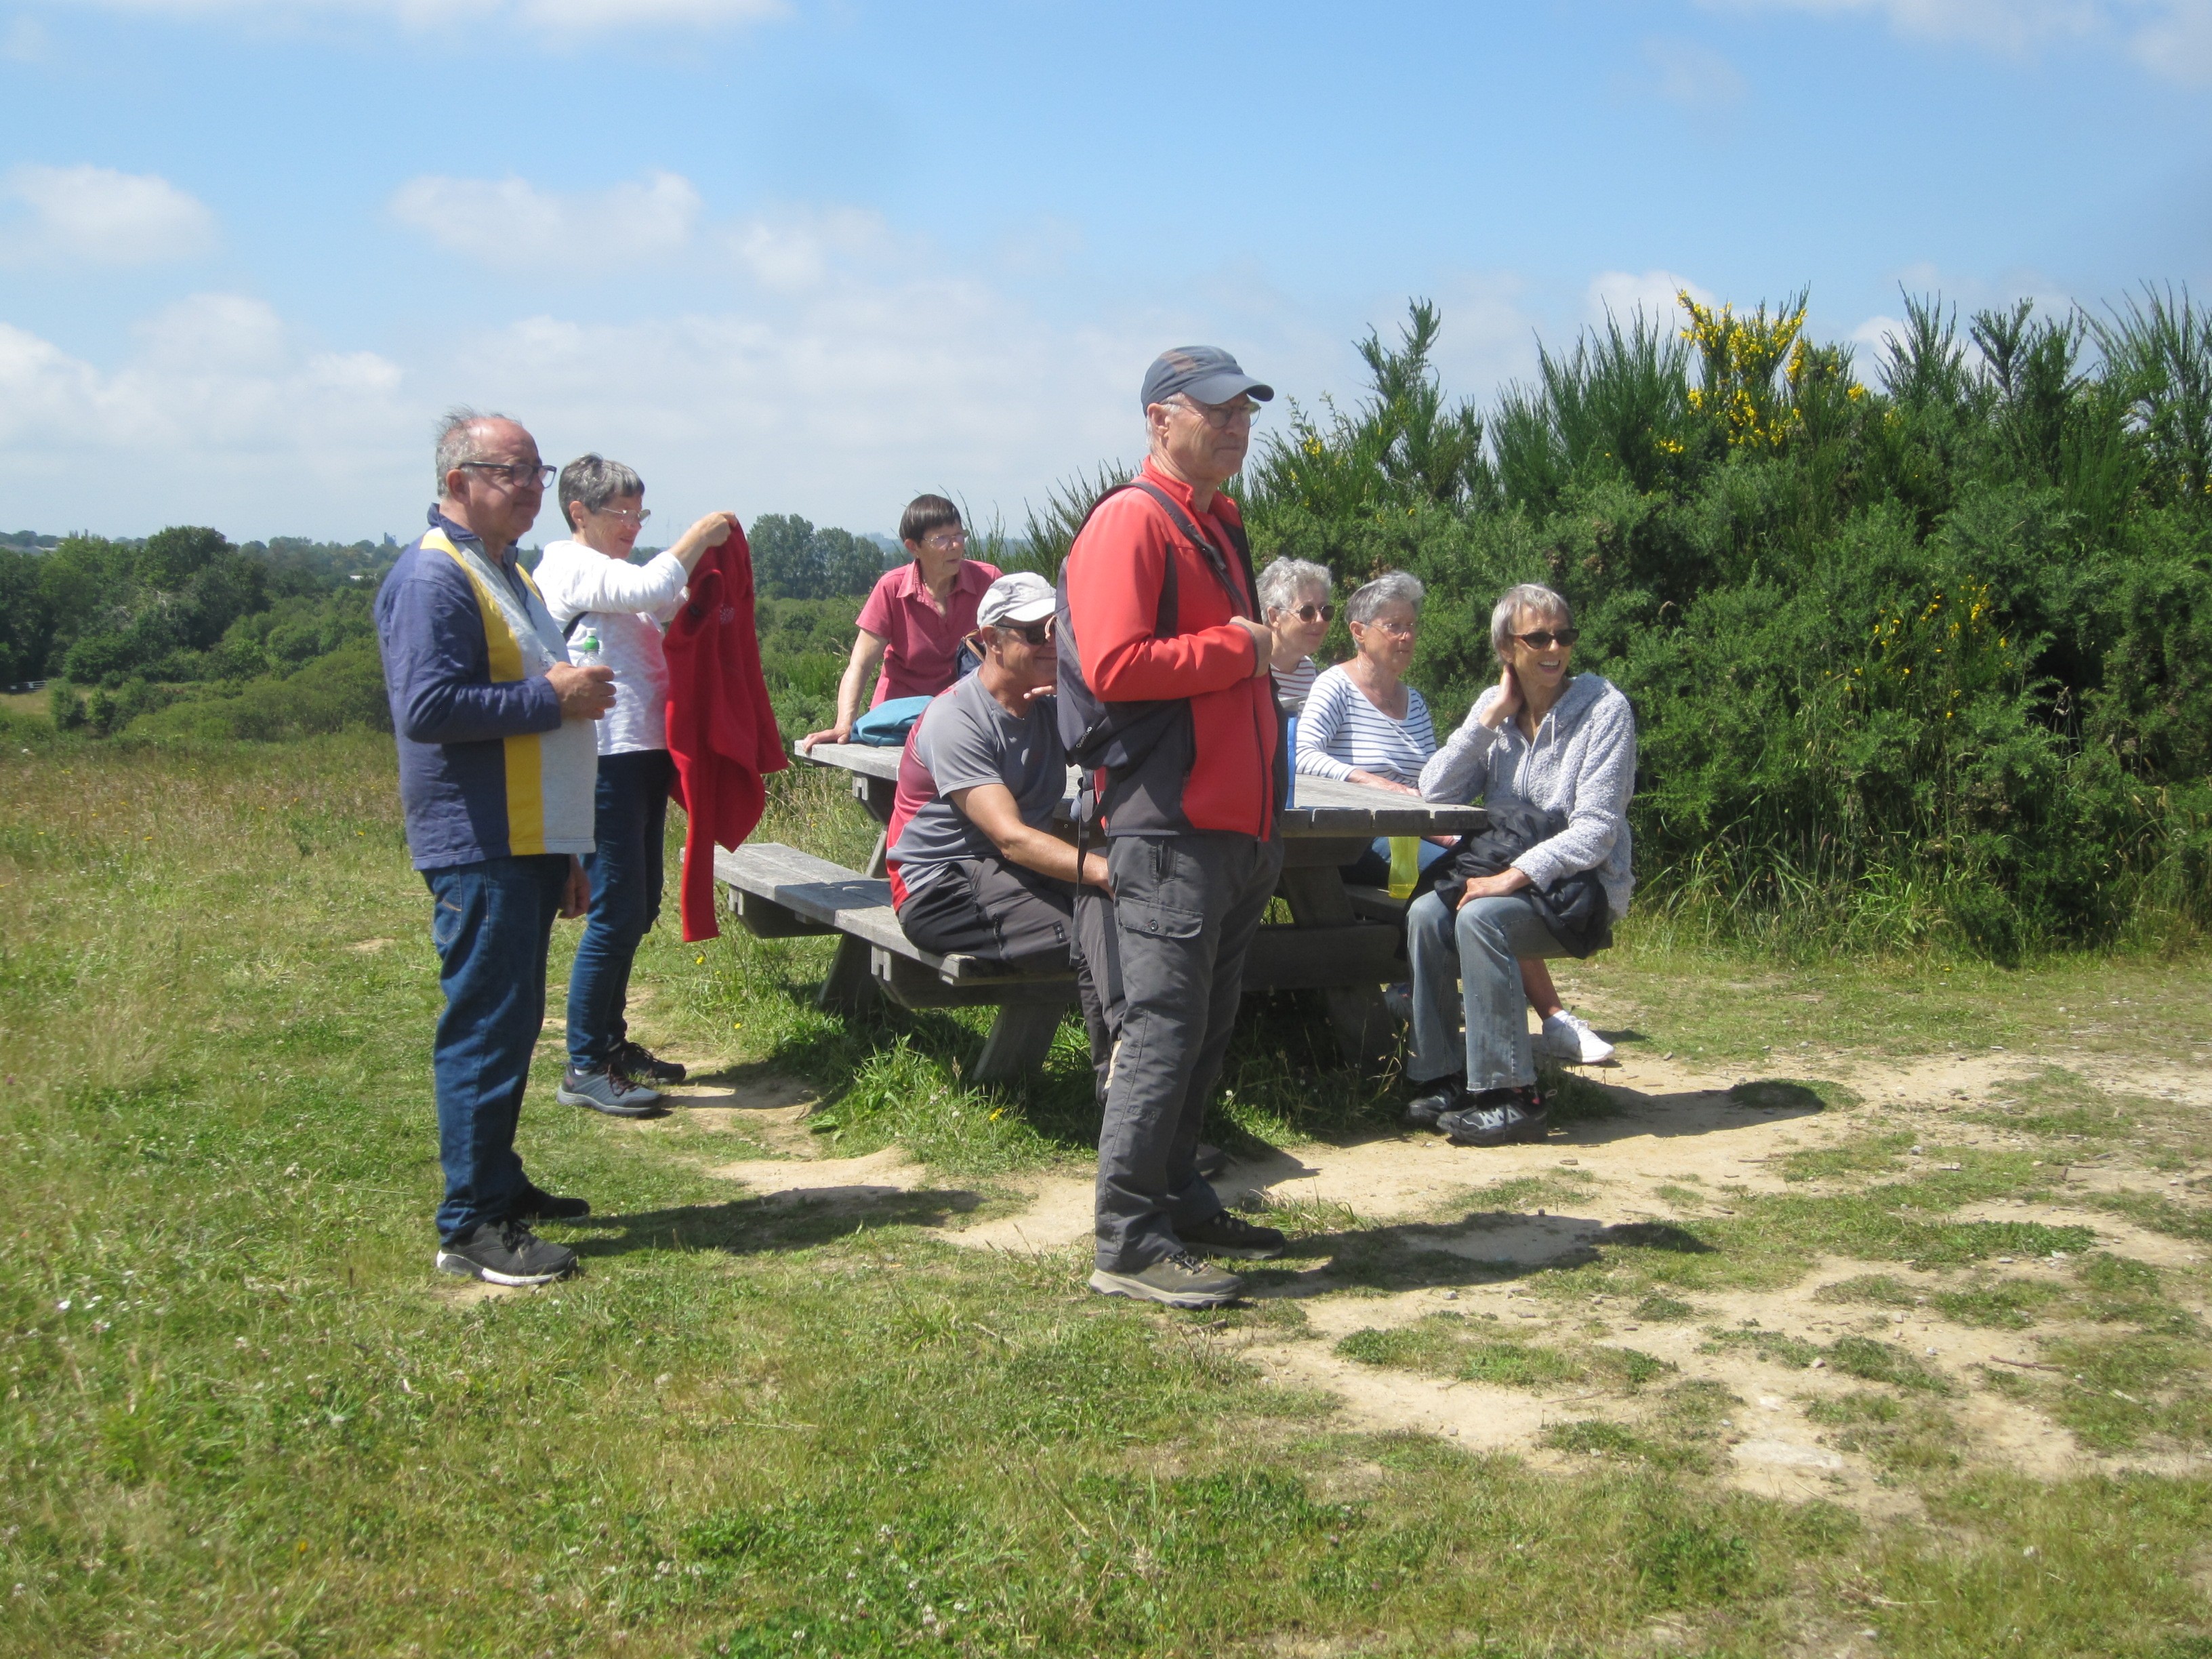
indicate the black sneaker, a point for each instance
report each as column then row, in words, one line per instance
column 1180, row 1281
column 506, row 1252
column 536, row 1204
column 639, row 1061
column 1498, row 1117
column 1212, row 1160
column 610, row 1090
column 1433, row 1099
column 1231, row 1234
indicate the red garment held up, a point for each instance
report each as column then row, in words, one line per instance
column 721, row 733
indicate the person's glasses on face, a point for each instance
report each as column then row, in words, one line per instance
column 1036, row 633
column 944, row 541
column 1395, row 629
column 1315, row 613
column 624, row 515
column 1544, row 639
column 515, row 475
column 1221, row 416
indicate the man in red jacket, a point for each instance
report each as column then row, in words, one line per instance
column 1164, row 684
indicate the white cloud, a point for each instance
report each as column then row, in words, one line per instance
column 95, row 216
column 1652, row 291
column 794, row 253
column 511, row 222
column 553, row 17
column 1694, row 76
column 221, row 415
column 2171, row 38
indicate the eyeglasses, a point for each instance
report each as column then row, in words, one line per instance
column 944, row 539
column 1396, row 630
column 623, row 512
column 515, row 474
column 1543, row 640
column 1311, row 613
column 1219, row 415
column 1037, row 632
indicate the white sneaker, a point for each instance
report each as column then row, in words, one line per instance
column 1566, row 1037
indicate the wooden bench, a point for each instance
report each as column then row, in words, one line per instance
column 780, row 892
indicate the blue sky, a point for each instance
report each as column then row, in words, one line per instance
column 798, row 256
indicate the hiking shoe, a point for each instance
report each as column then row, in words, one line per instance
column 536, row 1204
column 1433, row 1099
column 1569, row 1037
column 1212, row 1160
column 608, row 1090
column 506, row 1252
column 1398, row 1002
column 1181, row 1280
column 1231, row 1234
column 635, row 1059
column 1498, row 1117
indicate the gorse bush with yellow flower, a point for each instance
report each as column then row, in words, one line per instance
column 1918, row 653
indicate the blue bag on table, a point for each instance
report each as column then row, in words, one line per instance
column 886, row 726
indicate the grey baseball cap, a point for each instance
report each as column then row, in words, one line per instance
column 1022, row 597
column 1206, row 375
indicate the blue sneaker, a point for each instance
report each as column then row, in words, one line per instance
column 608, row 1090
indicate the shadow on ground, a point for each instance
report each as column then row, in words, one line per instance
column 778, row 1221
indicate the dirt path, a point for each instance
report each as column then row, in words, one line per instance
column 1675, row 1129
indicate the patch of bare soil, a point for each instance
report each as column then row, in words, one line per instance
column 1707, row 1138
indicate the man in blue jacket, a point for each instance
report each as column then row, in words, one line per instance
column 497, row 765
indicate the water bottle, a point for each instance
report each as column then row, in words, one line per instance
column 1405, row 866
column 584, row 652
column 1290, row 772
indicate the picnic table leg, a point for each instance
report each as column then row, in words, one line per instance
column 850, row 988
column 1021, row 1036
column 1364, row 1030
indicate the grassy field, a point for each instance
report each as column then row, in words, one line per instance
column 243, row 1417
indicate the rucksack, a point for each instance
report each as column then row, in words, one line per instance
column 1118, row 736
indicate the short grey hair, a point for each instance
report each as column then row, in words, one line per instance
column 1531, row 597
column 1284, row 580
column 457, row 437
column 593, row 481
column 1391, row 587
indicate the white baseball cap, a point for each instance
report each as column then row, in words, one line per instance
column 1023, row 596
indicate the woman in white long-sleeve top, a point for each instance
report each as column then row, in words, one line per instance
column 595, row 592
column 1552, row 755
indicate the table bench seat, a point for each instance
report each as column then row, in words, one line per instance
column 780, row 892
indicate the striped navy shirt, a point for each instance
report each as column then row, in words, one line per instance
column 1339, row 730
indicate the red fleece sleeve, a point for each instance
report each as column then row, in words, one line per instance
column 1115, row 571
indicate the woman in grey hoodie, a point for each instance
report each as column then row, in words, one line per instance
column 1552, row 755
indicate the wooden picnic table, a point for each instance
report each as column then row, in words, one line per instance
column 1341, row 942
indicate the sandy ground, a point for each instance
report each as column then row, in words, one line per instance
column 1674, row 1124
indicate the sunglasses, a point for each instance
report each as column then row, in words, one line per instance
column 1543, row 640
column 1037, row 632
column 1315, row 613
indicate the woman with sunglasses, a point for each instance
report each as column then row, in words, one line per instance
column 1551, row 754
column 614, row 612
column 1294, row 603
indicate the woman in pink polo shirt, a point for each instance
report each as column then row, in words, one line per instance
column 913, row 622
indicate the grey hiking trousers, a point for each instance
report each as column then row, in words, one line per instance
column 1166, row 960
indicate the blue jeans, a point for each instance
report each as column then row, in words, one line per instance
column 490, row 922
column 1467, row 974
column 625, row 868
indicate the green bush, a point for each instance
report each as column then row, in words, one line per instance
column 334, row 693
column 1925, row 659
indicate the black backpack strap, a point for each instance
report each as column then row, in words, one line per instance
column 1204, row 544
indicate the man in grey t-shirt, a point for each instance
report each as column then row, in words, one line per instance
column 976, row 868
